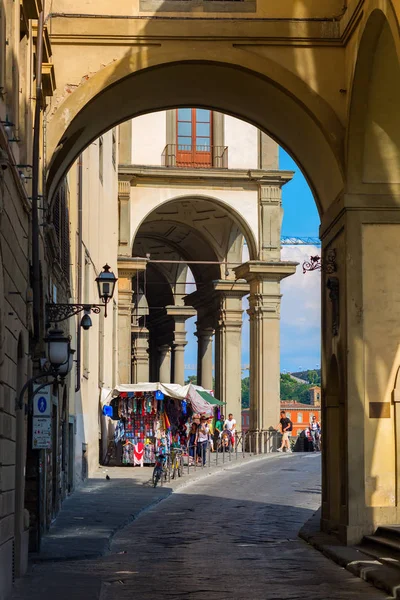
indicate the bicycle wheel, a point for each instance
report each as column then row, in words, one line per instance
column 156, row 476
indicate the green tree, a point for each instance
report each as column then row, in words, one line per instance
column 246, row 392
column 191, row 379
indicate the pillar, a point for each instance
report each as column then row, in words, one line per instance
column 179, row 315
column 127, row 269
column 140, row 354
column 228, row 345
column 265, row 298
column 360, row 366
column 205, row 357
column 165, row 363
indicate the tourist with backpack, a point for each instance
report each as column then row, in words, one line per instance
column 286, row 427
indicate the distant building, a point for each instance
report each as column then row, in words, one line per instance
column 315, row 395
column 300, row 414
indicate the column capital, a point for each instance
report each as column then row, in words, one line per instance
column 128, row 267
column 164, row 349
column 231, row 289
column 180, row 313
column 207, row 333
column 258, row 270
column 264, row 306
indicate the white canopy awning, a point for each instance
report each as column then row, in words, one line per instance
column 173, row 390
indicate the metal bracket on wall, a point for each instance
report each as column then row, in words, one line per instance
column 327, row 266
column 61, row 312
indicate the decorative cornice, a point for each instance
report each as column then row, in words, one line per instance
column 128, row 266
column 262, row 270
column 147, row 174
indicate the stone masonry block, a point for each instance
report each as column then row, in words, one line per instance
column 7, row 479
column 7, row 426
column 7, row 503
column 6, row 528
column 6, row 562
column 7, row 452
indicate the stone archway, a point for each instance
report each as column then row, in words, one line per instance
column 355, row 187
column 271, row 98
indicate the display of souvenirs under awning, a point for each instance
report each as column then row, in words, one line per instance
column 149, row 417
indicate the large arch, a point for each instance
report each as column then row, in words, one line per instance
column 371, row 113
column 240, row 220
column 250, row 87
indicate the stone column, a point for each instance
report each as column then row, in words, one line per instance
column 265, row 298
column 127, row 269
column 205, row 357
column 165, row 363
column 228, row 345
column 179, row 314
column 140, row 354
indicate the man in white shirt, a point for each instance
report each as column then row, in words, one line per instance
column 230, row 425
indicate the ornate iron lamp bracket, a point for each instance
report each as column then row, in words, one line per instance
column 315, row 263
column 61, row 312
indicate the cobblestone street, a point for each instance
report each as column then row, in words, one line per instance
column 229, row 536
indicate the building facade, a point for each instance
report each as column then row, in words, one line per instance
column 191, row 182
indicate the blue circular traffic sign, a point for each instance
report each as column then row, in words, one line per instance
column 42, row 404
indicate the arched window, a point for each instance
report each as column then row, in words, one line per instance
column 194, row 137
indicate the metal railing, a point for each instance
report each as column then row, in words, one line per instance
column 195, row 156
column 246, row 443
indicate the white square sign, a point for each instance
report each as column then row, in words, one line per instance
column 42, row 402
column 41, row 434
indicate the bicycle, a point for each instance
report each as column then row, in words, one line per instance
column 177, row 462
column 161, row 470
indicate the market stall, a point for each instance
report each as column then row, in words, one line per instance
column 150, row 417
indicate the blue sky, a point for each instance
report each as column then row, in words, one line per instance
column 300, row 312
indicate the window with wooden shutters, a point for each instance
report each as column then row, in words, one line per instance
column 60, row 218
column 194, row 137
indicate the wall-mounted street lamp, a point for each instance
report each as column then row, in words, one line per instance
column 60, row 359
column 61, row 312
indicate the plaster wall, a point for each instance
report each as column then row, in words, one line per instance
column 144, row 199
column 381, row 296
column 241, row 139
column 148, row 138
column 100, row 246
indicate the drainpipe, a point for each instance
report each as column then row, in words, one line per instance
column 79, row 267
column 35, row 183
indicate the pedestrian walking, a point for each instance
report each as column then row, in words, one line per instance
column 286, row 426
column 203, row 431
column 230, row 426
column 315, row 430
column 192, row 440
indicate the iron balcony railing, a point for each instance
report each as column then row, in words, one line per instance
column 195, row 156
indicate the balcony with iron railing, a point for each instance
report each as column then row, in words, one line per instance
column 195, row 157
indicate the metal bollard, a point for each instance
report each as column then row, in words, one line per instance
column 209, row 454
column 216, row 457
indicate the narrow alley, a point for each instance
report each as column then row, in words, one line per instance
column 232, row 535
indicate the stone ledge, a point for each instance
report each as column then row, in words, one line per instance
column 351, row 558
column 206, row 6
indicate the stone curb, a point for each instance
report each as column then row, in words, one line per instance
column 103, row 545
column 351, row 558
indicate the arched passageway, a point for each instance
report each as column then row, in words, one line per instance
column 351, row 160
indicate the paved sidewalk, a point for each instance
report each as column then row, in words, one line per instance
column 232, row 535
column 95, row 512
